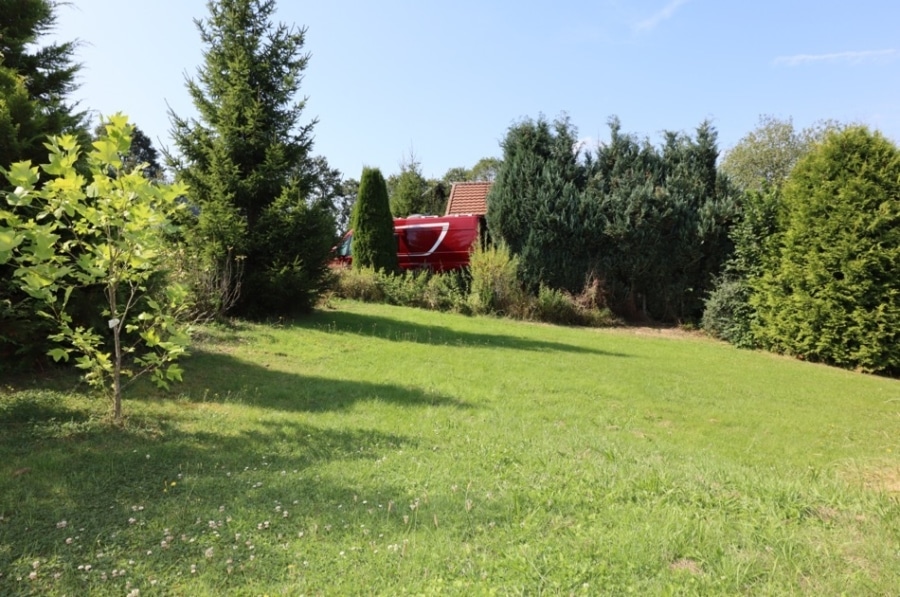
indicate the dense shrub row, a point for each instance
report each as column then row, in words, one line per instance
column 815, row 268
column 489, row 287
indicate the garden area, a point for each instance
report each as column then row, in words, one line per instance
column 376, row 449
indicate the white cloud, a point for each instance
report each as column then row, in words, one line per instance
column 845, row 57
column 584, row 144
column 660, row 16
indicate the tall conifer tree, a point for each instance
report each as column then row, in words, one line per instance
column 830, row 290
column 36, row 79
column 48, row 72
column 373, row 227
column 248, row 149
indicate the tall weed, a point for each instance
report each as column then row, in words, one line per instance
column 495, row 283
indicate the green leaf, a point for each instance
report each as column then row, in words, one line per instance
column 174, row 372
column 107, row 152
column 58, row 354
column 9, row 240
column 21, row 197
column 42, row 244
column 22, row 174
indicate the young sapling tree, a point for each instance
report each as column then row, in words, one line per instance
column 109, row 231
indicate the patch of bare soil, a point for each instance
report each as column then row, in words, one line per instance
column 659, row 331
column 883, row 479
column 687, row 565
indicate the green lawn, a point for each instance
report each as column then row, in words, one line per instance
column 381, row 450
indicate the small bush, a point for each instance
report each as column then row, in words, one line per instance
column 490, row 286
column 358, row 284
column 440, row 292
column 727, row 312
column 560, row 307
column 555, row 306
column 495, row 284
column 448, row 291
column 406, row 289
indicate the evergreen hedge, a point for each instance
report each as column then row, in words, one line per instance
column 831, row 288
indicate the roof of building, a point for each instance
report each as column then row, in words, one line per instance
column 468, row 198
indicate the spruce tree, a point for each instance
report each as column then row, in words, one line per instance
column 36, row 79
column 247, row 148
column 48, row 72
column 373, row 227
column 19, row 113
column 409, row 194
column 662, row 218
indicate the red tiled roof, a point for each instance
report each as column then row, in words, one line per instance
column 468, row 198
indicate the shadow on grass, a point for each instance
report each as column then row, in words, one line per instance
column 215, row 377
column 156, row 472
column 386, row 328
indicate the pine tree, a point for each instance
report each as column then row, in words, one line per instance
column 662, row 222
column 248, row 148
column 373, row 227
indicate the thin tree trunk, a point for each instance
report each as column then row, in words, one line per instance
column 116, row 326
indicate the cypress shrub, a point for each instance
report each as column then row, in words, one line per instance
column 374, row 245
column 831, row 290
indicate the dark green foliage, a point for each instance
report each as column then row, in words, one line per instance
column 535, row 205
column 662, row 222
column 374, row 244
column 246, row 150
column 343, row 202
column 283, row 282
column 140, row 152
column 652, row 224
column 728, row 313
column 409, row 193
column 48, row 73
column 35, row 81
column 830, row 291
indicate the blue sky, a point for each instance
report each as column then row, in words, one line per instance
column 446, row 79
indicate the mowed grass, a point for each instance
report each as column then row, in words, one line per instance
column 377, row 450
